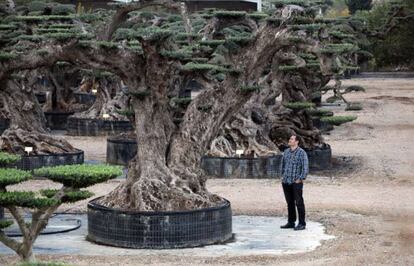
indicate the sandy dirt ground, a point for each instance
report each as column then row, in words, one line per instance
column 368, row 204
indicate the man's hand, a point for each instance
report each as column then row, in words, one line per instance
column 298, row 181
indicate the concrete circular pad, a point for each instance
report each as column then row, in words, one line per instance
column 254, row 235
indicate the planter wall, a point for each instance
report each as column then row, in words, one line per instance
column 96, row 127
column 120, row 151
column 4, row 124
column 228, row 167
column 159, row 230
column 29, row 162
column 57, row 120
column 84, row 98
column 322, row 126
column 320, row 158
column 265, row 167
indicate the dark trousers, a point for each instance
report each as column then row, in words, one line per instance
column 293, row 194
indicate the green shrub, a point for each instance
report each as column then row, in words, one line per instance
column 257, row 15
column 79, row 176
column 7, row 158
column 212, row 43
column 338, row 120
column 12, row 176
column 299, row 105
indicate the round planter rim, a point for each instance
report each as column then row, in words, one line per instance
column 98, row 119
column 95, row 206
column 118, row 140
column 241, row 158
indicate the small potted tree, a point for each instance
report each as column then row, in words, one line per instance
column 43, row 203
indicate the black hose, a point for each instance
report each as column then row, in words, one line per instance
column 77, row 226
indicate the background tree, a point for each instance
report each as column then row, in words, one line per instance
column 156, row 57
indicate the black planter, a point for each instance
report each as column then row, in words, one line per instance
column 120, row 151
column 229, row 167
column 57, row 120
column 97, row 127
column 322, row 126
column 320, row 158
column 41, row 97
column 1, row 213
column 159, row 230
column 29, row 162
column 4, row 124
column 84, row 98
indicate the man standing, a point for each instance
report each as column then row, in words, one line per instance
column 294, row 168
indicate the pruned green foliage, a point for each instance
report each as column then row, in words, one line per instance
column 338, row 48
column 308, row 27
column 213, row 43
column 288, row 68
column 257, row 15
column 153, row 33
column 70, row 196
column 6, row 56
column 5, row 223
column 79, row 176
column 299, row 105
column 63, row 9
column 203, row 67
column 320, row 112
column 353, row 107
column 44, row 18
column 333, row 99
column 338, row 120
column 177, row 54
column 25, row 199
column 355, row 88
column 250, row 88
column 229, row 14
column 126, row 112
column 7, row 158
column 12, row 176
column 182, row 101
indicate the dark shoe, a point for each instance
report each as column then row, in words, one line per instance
column 287, row 226
column 300, row 227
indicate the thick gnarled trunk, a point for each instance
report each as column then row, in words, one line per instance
column 27, row 123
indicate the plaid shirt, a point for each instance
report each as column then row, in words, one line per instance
column 294, row 165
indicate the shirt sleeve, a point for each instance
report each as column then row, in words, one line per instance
column 282, row 165
column 305, row 166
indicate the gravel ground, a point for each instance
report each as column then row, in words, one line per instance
column 370, row 209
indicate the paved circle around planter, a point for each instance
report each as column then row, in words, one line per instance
column 120, row 151
column 96, row 127
column 159, row 230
